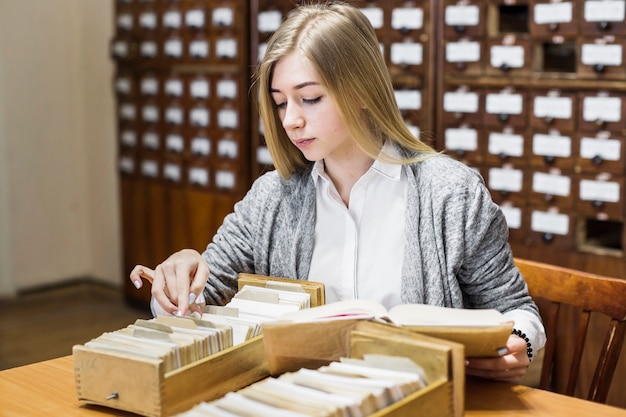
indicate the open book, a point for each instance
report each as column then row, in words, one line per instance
column 483, row 332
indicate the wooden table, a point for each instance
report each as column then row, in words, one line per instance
column 47, row 389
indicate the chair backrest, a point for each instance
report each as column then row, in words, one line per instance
column 588, row 293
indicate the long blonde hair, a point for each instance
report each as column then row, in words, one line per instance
column 342, row 46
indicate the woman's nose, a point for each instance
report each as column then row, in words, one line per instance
column 293, row 118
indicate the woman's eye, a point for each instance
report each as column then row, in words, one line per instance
column 312, row 100
column 281, row 105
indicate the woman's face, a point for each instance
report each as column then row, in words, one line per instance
column 307, row 112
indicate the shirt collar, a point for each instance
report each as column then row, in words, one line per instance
column 391, row 171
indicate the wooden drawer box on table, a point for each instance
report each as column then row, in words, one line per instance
column 141, row 386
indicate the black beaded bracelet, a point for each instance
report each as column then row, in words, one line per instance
column 529, row 349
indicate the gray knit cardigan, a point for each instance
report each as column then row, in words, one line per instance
column 456, row 250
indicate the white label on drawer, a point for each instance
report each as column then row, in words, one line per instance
column 407, row 18
column 150, row 140
column 199, row 176
column 148, row 49
column 592, row 54
column 555, row 107
column 174, row 88
column 513, row 216
column 174, row 143
column 547, row 222
column 150, row 168
column 149, row 86
column 172, row 19
column 201, row 146
column 127, row 164
column 227, row 89
column 127, row 112
column 604, row 11
column 503, row 103
column 125, row 21
column 553, row 13
column 408, row 53
column 458, row 102
column 128, row 138
column 608, row 149
column 506, row 179
column 607, row 109
column 148, row 20
column 591, row 190
column 174, row 115
column 199, row 88
column 552, row 184
column 468, row 15
column 122, row 85
column 226, row 48
column 227, row 148
column 513, row 56
column 225, row 179
column 228, row 119
column 172, row 172
column 374, row 15
column 506, row 144
column 120, row 49
column 263, row 155
column 223, row 16
column 463, row 52
column 199, row 117
column 150, row 113
column 199, row 49
column 552, row 145
column 195, row 18
column 261, row 51
column 269, row 21
column 461, row 139
column 409, row 99
column 173, row 47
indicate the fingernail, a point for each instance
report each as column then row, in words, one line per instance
column 177, row 313
column 137, row 284
column 502, row 351
column 200, row 299
column 192, row 298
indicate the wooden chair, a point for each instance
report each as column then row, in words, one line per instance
column 589, row 293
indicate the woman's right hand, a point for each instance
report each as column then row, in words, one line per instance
column 177, row 283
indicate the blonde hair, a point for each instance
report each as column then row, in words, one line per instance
column 342, row 46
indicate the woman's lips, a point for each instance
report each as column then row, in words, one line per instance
column 302, row 143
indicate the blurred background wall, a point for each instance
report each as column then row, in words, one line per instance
column 59, row 215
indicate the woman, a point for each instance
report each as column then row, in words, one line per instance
column 356, row 201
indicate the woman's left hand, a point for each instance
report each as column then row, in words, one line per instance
column 509, row 367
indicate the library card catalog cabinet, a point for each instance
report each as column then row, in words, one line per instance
column 189, row 138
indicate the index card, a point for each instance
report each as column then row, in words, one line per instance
column 608, row 109
column 175, row 143
column 201, row 146
column 195, row 18
column 227, row 89
column 607, row 191
column 199, row 48
column 555, row 107
column 552, row 145
column 408, row 99
column 464, row 139
column 374, row 15
column 460, row 102
column 553, row 13
column 223, row 16
column 513, row 216
column 548, row 222
column 269, row 21
column 409, row 53
column 172, row 19
column 228, row 119
column 225, row 179
column 504, row 103
column 551, row 184
column 174, row 87
column 608, row 149
column 513, row 56
column 226, row 48
column 174, row 115
column 592, row 54
column 463, row 51
column 604, row 11
column 407, row 18
column 199, row 176
column 506, row 144
column 506, row 179
column 263, row 156
column 462, row 15
column 199, row 88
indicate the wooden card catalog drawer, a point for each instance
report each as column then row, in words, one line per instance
column 552, row 149
column 464, row 18
column 601, row 196
column 506, row 184
column 602, row 57
column 409, row 19
column 463, row 56
column 602, row 110
column 464, row 144
column 551, row 188
column 600, row 17
column 508, row 16
column 550, row 228
column 506, row 107
column 515, row 219
column 553, row 18
column 509, row 55
column 600, row 152
column 508, row 146
column 173, row 171
column 553, row 109
column 407, row 54
column 462, row 105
